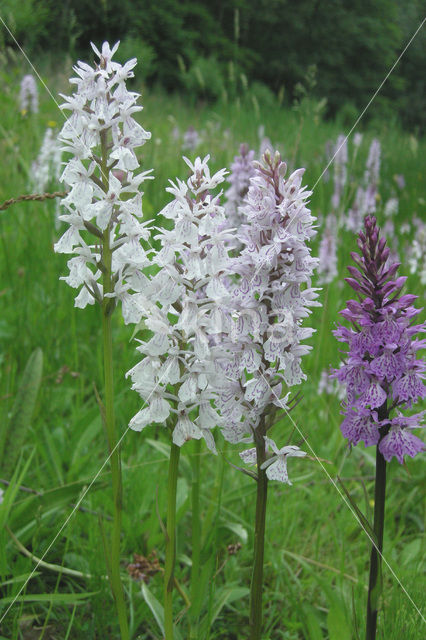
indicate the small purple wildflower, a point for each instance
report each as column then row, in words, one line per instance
column 417, row 251
column 47, row 167
column 330, row 387
column 265, row 142
column 340, row 170
column 191, row 139
column 382, row 371
column 242, row 170
column 357, row 140
column 327, row 267
column 366, row 195
column 28, row 95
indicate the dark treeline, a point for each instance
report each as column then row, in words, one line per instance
column 216, row 49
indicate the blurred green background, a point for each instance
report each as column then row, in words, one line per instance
column 216, row 50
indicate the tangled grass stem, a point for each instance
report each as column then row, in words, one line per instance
column 32, row 196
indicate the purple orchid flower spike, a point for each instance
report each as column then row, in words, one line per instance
column 382, row 373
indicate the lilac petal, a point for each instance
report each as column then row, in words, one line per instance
column 374, row 397
column 409, row 387
column 399, row 442
column 356, row 427
column 387, row 366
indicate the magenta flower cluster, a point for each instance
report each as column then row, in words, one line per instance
column 382, row 372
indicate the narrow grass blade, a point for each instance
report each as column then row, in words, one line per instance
column 10, row 494
column 363, row 520
column 55, row 598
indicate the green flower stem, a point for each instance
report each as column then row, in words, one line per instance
column 196, row 533
column 374, row 586
column 259, row 539
column 170, row 541
column 114, row 560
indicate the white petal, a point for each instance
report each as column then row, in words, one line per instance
column 278, row 470
column 132, row 311
column 159, row 408
column 84, row 298
column 140, row 420
column 185, row 430
column 68, row 241
column 188, row 390
column 208, row 417
column 158, row 345
column 209, row 440
column 170, row 372
column 216, row 290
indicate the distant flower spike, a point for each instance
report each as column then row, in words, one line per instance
column 327, row 267
column 28, row 95
column 242, row 170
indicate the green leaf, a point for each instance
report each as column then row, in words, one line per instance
column 11, row 491
column 20, row 578
column 311, row 623
column 157, row 610
column 411, row 551
column 339, row 627
column 155, row 606
column 205, row 579
column 337, row 623
column 54, row 598
column 88, row 433
column 52, row 456
column 181, row 494
column 12, row 437
column 35, row 508
column 225, row 596
column 238, row 529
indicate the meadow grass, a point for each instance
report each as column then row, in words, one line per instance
column 316, row 553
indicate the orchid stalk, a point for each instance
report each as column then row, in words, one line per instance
column 260, row 352
column 184, row 301
column 196, row 533
column 103, row 210
column 382, row 375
